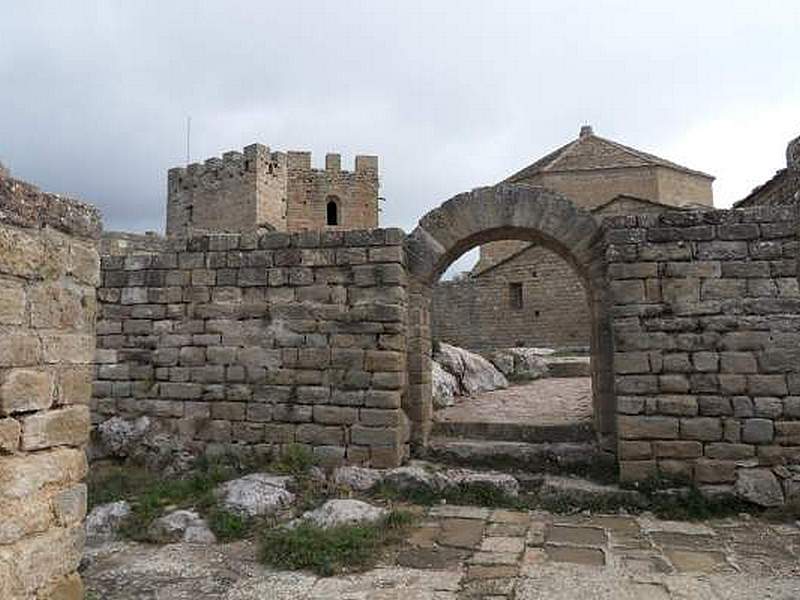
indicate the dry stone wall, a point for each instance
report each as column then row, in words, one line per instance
column 248, row 342
column 49, row 268
column 706, row 327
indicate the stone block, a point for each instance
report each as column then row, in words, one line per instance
column 767, row 385
column 637, row 384
column 706, row 362
column 646, row 427
column 635, row 450
column 63, row 427
column 714, row 471
column 787, row 433
column 766, row 407
column 12, row 303
column 714, row 406
column 757, row 431
column 335, row 415
column 738, row 362
column 19, row 350
column 375, row 436
column 676, row 405
column 678, row 449
column 631, row 471
column 9, row 435
column 23, row 390
column 725, row 451
column 628, row 291
column 24, row 475
column 706, row 429
column 68, row 348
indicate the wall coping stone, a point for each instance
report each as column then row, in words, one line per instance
column 24, row 205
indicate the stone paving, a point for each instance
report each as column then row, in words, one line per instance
column 548, row 401
column 464, row 553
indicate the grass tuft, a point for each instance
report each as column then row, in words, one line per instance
column 326, row 552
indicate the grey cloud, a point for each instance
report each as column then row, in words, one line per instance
column 451, row 95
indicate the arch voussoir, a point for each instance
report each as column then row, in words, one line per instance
column 502, row 212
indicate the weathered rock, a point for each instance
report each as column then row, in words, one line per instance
column 582, row 491
column 759, row 486
column 257, row 494
column 181, row 526
column 104, row 521
column 358, row 479
column 474, row 373
column 445, row 386
column 117, row 435
column 144, row 442
column 343, row 512
column 521, row 364
column 415, row 477
column 501, row 482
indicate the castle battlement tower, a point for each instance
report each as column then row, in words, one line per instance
column 258, row 188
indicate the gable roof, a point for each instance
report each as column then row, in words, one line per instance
column 590, row 153
column 644, row 201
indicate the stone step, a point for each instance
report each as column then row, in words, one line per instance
column 516, row 432
column 582, row 458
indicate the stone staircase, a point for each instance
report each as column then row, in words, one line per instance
column 568, row 448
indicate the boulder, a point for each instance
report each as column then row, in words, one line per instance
column 521, row 364
column 357, row 479
column 104, row 521
column 343, row 512
column 181, row 526
column 415, row 477
column 759, row 486
column 474, row 373
column 445, row 386
column 257, row 494
column 501, row 482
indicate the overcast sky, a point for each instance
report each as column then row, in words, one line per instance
column 451, row 95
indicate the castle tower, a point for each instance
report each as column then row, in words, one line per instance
column 257, row 188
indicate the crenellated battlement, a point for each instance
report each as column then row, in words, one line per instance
column 257, row 187
column 254, row 159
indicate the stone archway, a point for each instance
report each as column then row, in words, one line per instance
column 500, row 213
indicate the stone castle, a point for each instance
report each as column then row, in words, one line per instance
column 258, row 188
column 247, row 341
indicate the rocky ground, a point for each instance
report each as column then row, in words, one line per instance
column 463, row 552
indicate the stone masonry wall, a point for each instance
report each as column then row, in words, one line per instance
column 248, row 342
column 706, row 326
column 476, row 313
column 49, row 269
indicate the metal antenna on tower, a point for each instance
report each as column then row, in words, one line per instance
column 188, row 138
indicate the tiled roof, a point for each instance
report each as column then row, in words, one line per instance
column 591, row 152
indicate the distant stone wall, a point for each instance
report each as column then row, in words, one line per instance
column 706, row 327
column 477, row 313
column 120, row 242
column 49, row 268
column 243, row 342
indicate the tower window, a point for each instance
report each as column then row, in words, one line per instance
column 515, row 295
column 332, row 211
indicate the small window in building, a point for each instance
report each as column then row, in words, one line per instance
column 515, row 295
column 332, row 210
column 534, row 273
column 536, row 313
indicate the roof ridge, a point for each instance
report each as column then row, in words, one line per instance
column 550, row 162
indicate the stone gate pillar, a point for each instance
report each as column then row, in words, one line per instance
column 49, row 269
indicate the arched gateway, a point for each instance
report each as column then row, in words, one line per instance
column 490, row 214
